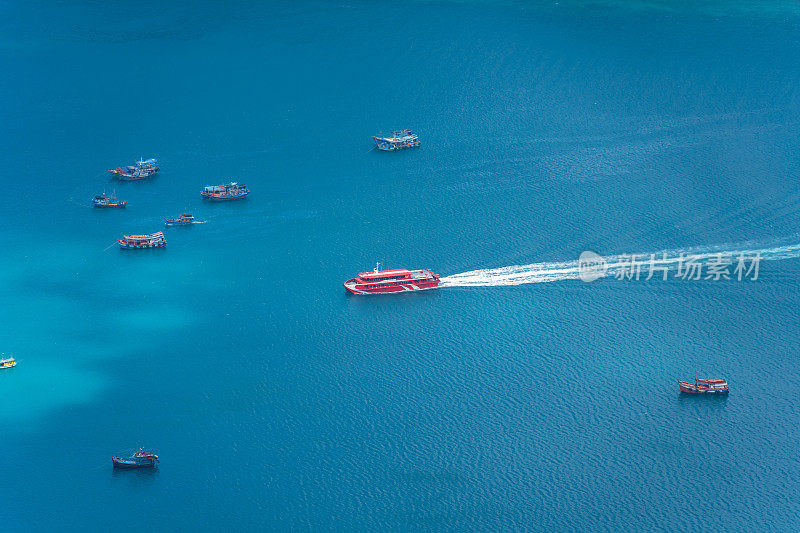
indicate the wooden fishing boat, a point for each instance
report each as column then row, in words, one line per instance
column 140, row 459
column 107, row 200
column 183, row 220
column 140, row 170
column 230, row 191
column 399, row 140
column 704, row 386
column 154, row 240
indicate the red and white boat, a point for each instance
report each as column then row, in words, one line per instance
column 704, row 386
column 388, row 281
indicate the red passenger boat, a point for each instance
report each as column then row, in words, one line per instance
column 704, row 386
column 388, row 281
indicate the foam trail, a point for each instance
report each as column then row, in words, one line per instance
column 669, row 259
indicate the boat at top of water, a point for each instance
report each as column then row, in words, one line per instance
column 399, row 140
column 183, row 220
column 107, row 200
column 704, row 386
column 140, row 459
column 7, row 362
column 389, row 281
column 154, row 240
column 140, row 170
column 231, row 191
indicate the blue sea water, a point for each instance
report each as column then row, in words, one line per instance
column 276, row 401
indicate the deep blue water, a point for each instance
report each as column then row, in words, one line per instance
column 276, row 401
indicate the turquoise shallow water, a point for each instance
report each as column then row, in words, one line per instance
column 276, row 401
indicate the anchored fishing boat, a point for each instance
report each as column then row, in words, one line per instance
column 183, row 220
column 107, row 200
column 399, row 140
column 231, row 191
column 704, row 386
column 140, row 459
column 154, row 240
column 388, row 281
column 140, row 170
column 7, row 362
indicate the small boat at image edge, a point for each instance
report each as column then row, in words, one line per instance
column 154, row 240
column 398, row 141
column 231, row 191
column 107, row 200
column 7, row 362
column 183, row 220
column 140, row 170
column 140, row 459
column 704, row 386
column 390, row 281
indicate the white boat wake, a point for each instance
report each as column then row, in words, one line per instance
column 621, row 266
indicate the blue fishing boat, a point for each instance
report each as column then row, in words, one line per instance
column 231, row 191
column 154, row 240
column 107, row 200
column 398, row 141
column 140, row 459
column 183, row 220
column 140, row 170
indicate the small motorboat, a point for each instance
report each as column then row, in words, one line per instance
column 704, row 386
column 140, row 459
column 183, row 220
column 7, row 362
